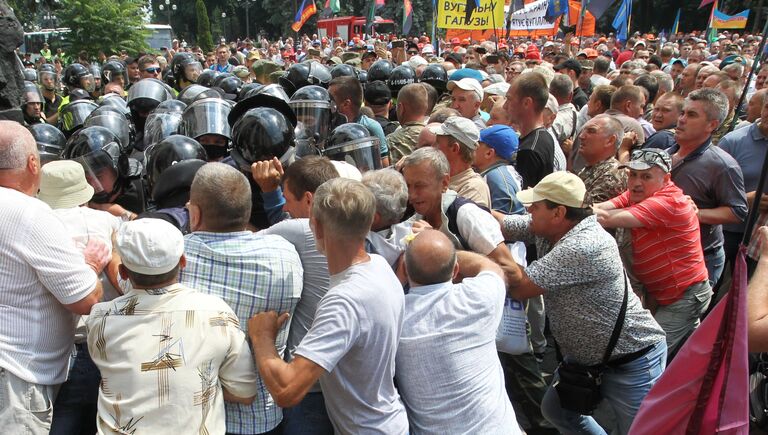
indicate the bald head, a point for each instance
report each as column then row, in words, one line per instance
column 426, row 137
column 19, row 159
column 430, row 259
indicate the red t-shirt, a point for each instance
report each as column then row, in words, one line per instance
column 667, row 248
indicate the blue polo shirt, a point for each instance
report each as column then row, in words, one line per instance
column 747, row 146
column 712, row 178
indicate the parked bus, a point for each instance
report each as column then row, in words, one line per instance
column 158, row 35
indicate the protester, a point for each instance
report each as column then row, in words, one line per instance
column 457, row 139
column 169, row 355
column 44, row 280
column 250, row 272
column 580, row 274
column 459, row 322
column 359, row 391
column 666, row 244
column 706, row 173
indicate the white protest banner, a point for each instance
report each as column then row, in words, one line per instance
column 531, row 17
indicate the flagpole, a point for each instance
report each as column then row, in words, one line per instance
column 434, row 28
column 493, row 21
column 752, row 218
column 580, row 23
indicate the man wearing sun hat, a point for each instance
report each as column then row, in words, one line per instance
column 666, row 243
column 64, row 188
column 169, row 355
column 581, row 276
column 457, row 138
column 467, row 95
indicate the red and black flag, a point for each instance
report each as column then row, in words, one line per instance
column 407, row 16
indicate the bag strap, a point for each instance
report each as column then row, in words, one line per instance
column 619, row 323
column 573, row 127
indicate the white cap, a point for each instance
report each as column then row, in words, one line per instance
column 552, row 104
column 459, row 128
column 638, row 43
column 428, row 49
column 347, row 170
column 417, row 61
column 499, row 89
column 467, row 84
column 149, row 246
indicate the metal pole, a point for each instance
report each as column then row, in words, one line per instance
column 247, row 25
column 753, row 212
column 752, row 72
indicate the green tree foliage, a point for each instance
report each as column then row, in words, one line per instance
column 104, row 25
column 204, row 38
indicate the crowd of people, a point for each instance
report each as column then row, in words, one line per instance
column 326, row 236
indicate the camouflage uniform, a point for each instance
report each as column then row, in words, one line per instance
column 604, row 180
column 404, row 140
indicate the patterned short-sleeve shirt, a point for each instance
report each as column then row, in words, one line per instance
column 584, row 283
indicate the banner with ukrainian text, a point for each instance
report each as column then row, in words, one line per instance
column 306, row 11
column 451, row 14
column 725, row 21
column 531, row 17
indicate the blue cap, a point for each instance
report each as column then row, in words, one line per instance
column 464, row 73
column 503, row 139
column 681, row 61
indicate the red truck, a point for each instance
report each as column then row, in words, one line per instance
column 349, row 27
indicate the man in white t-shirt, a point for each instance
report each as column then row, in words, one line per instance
column 353, row 340
column 43, row 280
column 462, row 391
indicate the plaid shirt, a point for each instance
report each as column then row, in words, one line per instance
column 252, row 273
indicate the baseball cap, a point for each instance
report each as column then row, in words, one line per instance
column 149, row 246
column 253, row 55
column 647, row 158
column 561, row 187
column 639, row 43
column 502, row 139
column 682, row 62
column 63, row 185
column 462, row 129
column 569, row 64
column 467, row 84
column 428, row 49
column 377, row 93
column 463, row 73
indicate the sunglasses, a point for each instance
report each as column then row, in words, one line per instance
column 152, row 70
column 413, row 52
column 652, row 157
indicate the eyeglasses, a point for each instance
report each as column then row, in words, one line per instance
column 413, row 52
column 152, row 70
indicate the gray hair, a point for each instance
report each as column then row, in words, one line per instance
column 223, row 195
column 739, row 68
column 715, row 103
column 666, row 84
column 15, row 148
column 344, row 208
column 391, row 193
column 612, row 127
column 435, row 157
column 561, row 86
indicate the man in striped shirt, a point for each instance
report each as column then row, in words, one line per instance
column 666, row 243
